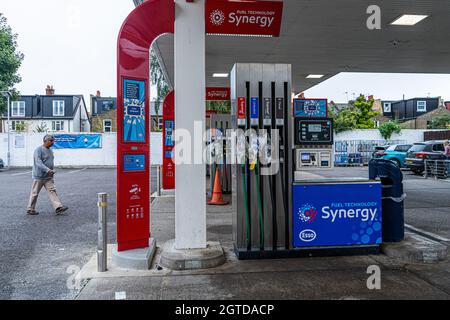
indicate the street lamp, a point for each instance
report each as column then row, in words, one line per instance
column 8, row 95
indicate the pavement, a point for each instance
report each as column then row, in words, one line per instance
column 40, row 255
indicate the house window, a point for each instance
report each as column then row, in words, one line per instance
column 387, row 107
column 58, row 108
column 160, row 123
column 17, row 125
column 107, row 125
column 421, row 106
column 57, row 126
column 18, row 108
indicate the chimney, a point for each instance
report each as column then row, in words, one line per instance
column 49, row 91
column 98, row 94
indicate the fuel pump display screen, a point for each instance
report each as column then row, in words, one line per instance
column 313, row 131
column 315, row 128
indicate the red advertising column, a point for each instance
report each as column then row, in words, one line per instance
column 144, row 24
column 168, row 171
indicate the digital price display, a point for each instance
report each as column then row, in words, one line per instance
column 313, row 131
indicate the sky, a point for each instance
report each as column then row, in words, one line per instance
column 71, row 44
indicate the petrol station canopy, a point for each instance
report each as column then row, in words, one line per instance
column 327, row 37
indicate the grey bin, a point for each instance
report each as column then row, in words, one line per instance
column 393, row 216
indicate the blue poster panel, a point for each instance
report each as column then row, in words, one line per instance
column 133, row 162
column 336, row 214
column 169, row 126
column 80, row 141
column 134, row 111
column 310, row 108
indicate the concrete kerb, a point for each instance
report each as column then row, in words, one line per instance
column 140, row 259
column 415, row 249
column 192, row 259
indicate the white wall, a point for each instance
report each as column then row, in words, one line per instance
column 408, row 135
column 23, row 157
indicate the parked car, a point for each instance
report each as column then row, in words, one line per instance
column 396, row 153
column 2, row 164
column 379, row 149
column 419, row 152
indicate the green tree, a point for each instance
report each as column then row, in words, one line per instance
column 157, row 79
column 388, row 128
column 41, row 128
column 442, row 122
column 345, row 120
column 222, row 107
column 359, row 115
column 364, row 113
column 21, row 127
column 10, row 61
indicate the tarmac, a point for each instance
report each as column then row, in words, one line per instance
column 332, row 278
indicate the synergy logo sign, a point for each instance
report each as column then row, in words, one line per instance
column 217, row 17
column 307, row 213
column 244, row 18
column 217, row 94
column 350, row 214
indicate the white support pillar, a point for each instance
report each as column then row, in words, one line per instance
column 190, row 179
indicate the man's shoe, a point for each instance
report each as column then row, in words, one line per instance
column 32, row 213
column 61, row 210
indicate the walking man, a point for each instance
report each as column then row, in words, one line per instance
column 43, row 177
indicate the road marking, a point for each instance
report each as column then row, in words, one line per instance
column 21, row 174
column 76, row 171
column 426, row 233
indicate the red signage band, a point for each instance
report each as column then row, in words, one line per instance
column 244, row 17
column 218, row 94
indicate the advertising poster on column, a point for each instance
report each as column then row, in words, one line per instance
column 134, row 111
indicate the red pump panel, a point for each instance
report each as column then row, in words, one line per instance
column 144, row 24
column 168, row 171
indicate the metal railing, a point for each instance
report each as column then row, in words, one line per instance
column 358, row 152
column 437, row 169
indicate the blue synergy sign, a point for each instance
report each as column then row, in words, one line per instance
column 134, row 111
column 80, row 141
column 310, row 108
column 349, row 214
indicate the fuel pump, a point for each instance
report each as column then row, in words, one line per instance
column 313, row 135
column 260, row 99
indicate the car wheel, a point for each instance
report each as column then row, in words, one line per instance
column 397, row 162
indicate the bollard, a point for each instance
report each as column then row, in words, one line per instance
column 158, row 178
column 102, row 232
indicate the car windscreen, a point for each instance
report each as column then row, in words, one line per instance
column 403, row 147
column 417, row 147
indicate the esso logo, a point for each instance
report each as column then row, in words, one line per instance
column 308, row 235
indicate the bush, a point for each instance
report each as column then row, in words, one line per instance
column 388, row 128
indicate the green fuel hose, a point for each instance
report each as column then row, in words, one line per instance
column 261, row 214
column 247, row 214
